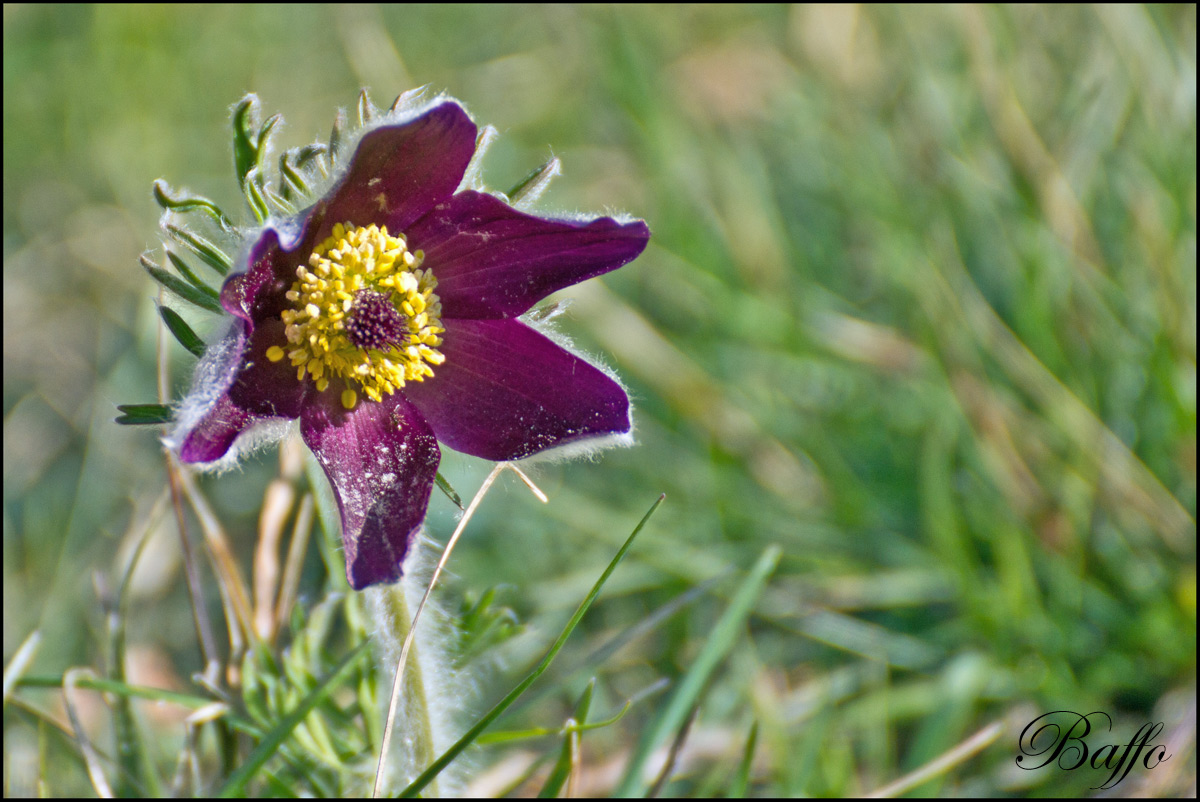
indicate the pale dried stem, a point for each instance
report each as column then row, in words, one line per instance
column 20, row 662
column 573, row 739
column 234, row 592
column 204, row 632
column 942, row 763
column 294, row 562
column 529, row 483
column 277, row 506
column 188, row 766
column 90, row 757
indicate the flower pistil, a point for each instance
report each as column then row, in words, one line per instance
column 365, row 311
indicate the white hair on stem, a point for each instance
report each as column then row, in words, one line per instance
column 425, row 699
column 399, row 686
column 212, row 378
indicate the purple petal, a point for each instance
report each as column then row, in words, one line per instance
column 258, row 292
column 399, row 172
column 506, row 392
column 268, row 389
column 381, row 459
column 214, row 434
column 396, row 175
column 260, row 389
column 492, row 261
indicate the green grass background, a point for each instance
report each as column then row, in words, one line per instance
column 919, row 308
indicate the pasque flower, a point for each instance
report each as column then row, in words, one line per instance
column 386, row 317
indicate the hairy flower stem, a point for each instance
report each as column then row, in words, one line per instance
column 411, row 634
column 409, row 696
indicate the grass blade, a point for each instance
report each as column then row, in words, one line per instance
column 133, row 754
column 511, row 736
column 668, row 768
column 91, row 756
column 569, row 754
column 716, row 646
column 741, row 782
column 942, row 764
column 438, row 765
column 187, row 700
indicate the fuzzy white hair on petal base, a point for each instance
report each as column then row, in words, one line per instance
column 214, row 375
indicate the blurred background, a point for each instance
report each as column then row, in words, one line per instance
column 919, row 308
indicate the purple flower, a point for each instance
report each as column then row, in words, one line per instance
column 386, row 318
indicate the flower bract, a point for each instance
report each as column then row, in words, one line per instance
column 386, row 317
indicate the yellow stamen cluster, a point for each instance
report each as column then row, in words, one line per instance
column 364, row 310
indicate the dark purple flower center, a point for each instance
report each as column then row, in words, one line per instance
column 373, row 322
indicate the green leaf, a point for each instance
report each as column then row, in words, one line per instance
column 184, row 290
column 445, row 487
column 335, row 136
column 187, row 202
column 687, row 692
column 330, row 544
column 186, row 271
column 253, row 190
column 483, row 625
column 235, row 786
column 250, row 142
column 264, row 139
column 366, row 109
column 144, row 414
column 281, row 203
column 549, row 310
column 210, row 254
column 291, row 183
column 531, row 187
column 245, row 146
column 408, row 96
column 473, row 177
column 182, row 331
column 309, row 152
column 454, row 751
